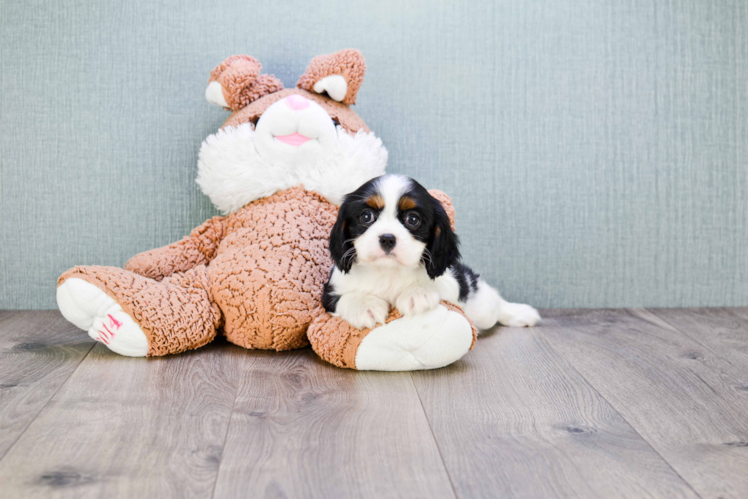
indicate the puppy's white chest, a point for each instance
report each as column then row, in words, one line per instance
column 382, row 282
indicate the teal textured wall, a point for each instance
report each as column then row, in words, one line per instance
column 597, row 152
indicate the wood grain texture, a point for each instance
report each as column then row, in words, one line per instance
column 123, row 427
column 722, row 330
column 513, row 419
column 591, row 403
column 741, row 312
column 303, row 428
column 683, row 398
column 38, row 352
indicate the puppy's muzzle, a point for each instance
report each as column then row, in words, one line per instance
column 387, row 242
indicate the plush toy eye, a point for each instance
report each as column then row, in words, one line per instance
column 412, row 220
column 367, row 217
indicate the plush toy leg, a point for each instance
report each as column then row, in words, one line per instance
column 421, row 342
column 121, row 308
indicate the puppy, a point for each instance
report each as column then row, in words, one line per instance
column 392, row 244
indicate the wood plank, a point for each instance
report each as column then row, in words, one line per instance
column 722, row 330
column 124, row 427
column 38, row 352
column 303, row 428
column 742, row 312
column 514, row 419
column 684, row 399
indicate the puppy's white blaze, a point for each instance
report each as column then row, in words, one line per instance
column 392, row 188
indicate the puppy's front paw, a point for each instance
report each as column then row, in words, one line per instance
column 418, row 300
column 511, row 314
column 362, row 311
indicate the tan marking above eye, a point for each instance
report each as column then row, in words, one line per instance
column 406, row 203
column 375, row 201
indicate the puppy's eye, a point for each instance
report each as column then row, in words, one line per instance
column 367, row 217
column 412, row 220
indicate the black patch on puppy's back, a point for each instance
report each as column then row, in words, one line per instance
column 466, row 278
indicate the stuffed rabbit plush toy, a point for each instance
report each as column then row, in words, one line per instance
column 278, row 169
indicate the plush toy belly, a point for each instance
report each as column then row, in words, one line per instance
column 269, row 271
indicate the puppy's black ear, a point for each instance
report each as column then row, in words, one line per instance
column 341, row 245
column 443, row 244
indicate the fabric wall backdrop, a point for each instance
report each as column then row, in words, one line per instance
column 597, row 152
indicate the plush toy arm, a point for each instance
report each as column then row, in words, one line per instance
column 420, row 342
column 197, row 248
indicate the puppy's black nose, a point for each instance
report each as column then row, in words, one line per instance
column 387, row 242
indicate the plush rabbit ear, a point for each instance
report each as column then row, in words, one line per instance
column 237, row 81
column 339, row 75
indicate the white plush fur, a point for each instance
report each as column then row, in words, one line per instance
column 91, row 309
column 214, row 95
column 232, row 172
column 421, row 342
column 335, row 86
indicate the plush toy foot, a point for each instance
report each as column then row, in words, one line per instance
column 91, row 309
column 416, row 342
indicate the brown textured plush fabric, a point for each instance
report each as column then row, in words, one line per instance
column 242, row 82
column 270, row 268
column 262, row 86
column 198, row 248
column 243, row 65
column 348, row 118
column 337, row 342
column 349, row 63
column 175, row 314
column 258, row 271
column 446, row 202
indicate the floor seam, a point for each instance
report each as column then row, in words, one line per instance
column 433, row 436
column 655, row 450
column 83, row 358
column 225, row 439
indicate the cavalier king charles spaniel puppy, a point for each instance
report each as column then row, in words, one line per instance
column 392, row 245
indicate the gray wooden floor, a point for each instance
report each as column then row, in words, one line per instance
column 592, row 403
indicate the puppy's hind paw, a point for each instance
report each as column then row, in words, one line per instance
column 512, row 314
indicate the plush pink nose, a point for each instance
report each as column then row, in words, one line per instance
column 296, row 102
